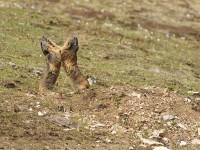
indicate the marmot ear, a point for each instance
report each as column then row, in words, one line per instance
column 71, row 44
column 44, row 45
column 47, row 45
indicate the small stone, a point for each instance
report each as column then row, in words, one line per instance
column 10, row 85
column 107, row 140
column 98, row 141
column 158, row 110
column 116, row 128
column 149, row 142
column 196, row 105
column 143, row 146
column 182, row 126
column 61, row 108
column 68, row 129
column 37, row 106
column 161, row 148
column 187, row 100
column 42, row 113
column 98, row 125
column 195, row 142
column 62, row 119
column 168, row 117
column 183, row 143
column 194, row 93
column 131, row 148
column 36, row 72
column 165, row 140
column 13, row 65
column 198, row 131
column 113, row 132
column 158, row 133
column 92, row 80
column 30, row 95
column 135, row 94
column 169, row 123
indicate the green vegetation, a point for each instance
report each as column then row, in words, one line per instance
column 109, row 50
column 135, row 43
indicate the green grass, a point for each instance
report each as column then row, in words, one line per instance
column 112, row 49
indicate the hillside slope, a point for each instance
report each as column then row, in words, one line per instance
column 143, row 54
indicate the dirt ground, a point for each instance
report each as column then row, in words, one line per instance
column 142, row 55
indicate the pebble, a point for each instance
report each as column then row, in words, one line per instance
column 158, row 133
column 195, row 142
column 149, row 142
column 42, row 113
column 13, row 65
column 107, row 140
column 161, row 148
column 131, row 148
column 183, row 143
column 198, row 131
column 135, row 94
column 168, row 117
column 92, row 80
column 182, row 126
column 187, row 100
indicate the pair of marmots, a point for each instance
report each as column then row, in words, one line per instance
column 67, row 57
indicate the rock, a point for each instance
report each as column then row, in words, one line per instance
column 92, row 80
column 165, row 140
column 135, row 94
column 182, row 126
column 194, row 93
column 187, row 100
column 161, row 148
column 30, row 95
column 61, row 108
column 62, row 119
column 36, row 72
column 116, row 128
column 42, row 113
column 143, row 146
column 158, row 110
column 107, row 140
column 169, row 123
column 13, row 65
column 158, row 133
column 10, row 85
column 196, row 105
column 198, row 131
column 168, row 117
column 150, row 142
column 183, row 143
column 131, row 148
column 98, row 125
column 195, row 142
column 68, row 129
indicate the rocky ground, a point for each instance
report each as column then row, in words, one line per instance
column 142, row 60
